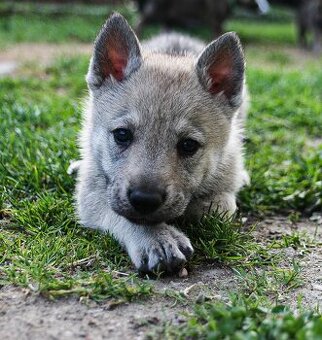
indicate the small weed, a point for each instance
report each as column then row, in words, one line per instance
column 244, row 320
column 219, row 238
column 289, row 278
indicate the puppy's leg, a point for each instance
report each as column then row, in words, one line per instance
column 151, row 248
column 224, row 203
column 157, row 248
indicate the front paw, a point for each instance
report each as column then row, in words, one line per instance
column 224, row 203
column 160, row 249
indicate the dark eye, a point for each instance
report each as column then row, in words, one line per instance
column 188, row 147
column 123, row 137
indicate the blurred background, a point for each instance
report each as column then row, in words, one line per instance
column 45, row 48
column 269, row 23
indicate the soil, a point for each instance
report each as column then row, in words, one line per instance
column 13, row 56
column 309, row 258
column 26, row 315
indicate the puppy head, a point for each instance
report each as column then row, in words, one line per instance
column 160, row 123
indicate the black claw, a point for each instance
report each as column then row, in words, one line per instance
column 159, row 269
column 165, row 265
column 143, row 269
column 187, row 252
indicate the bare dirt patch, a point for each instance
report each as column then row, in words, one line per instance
column 13, row 57
column 309, row 257
column 266, row 57
column 26, row 315
column 276, row 57
column 42, row 52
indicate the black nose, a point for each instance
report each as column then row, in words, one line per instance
column 144, row 201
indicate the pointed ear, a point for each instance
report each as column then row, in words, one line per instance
column 116, row 54
column 220, row 68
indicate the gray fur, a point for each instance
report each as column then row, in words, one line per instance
column 162, row 99
column 174, row 44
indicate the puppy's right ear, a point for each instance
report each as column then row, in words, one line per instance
column 117, row 53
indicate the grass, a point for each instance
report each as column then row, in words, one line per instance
column 245, row 320
column 56, row 24
column 42, row 247
column 81, row 23
column 278, row 113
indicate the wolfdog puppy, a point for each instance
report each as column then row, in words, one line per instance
column 161, row 139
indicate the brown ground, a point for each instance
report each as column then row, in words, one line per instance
column 13, row 57
column 43, row 53
column 24, row 315
column 309, row 257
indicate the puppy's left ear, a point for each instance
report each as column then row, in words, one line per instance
column 221, row 66
column 117, row 52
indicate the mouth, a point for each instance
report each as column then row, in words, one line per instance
column 143, row 221
column 135, row 218
column 147, row 219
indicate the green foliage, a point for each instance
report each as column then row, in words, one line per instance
column 60, row 23
column 220, row 238
column 44, row 249
column 261, row 31
column 56, row 23
column 244, row 320
column 285, row 168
